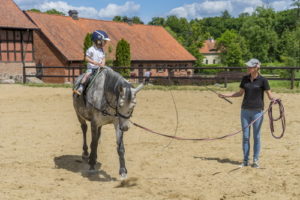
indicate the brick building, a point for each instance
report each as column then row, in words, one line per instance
column 58, row 41
column 16, row 39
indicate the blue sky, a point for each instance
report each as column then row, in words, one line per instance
column 146, row 9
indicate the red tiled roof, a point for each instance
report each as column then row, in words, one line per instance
column 146, row 42
column 209, row 47
column 12, row 17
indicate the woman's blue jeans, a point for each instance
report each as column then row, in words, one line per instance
column 247, row 116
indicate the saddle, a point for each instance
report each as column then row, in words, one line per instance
column 89, row 82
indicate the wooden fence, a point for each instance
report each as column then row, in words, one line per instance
column 224, row 75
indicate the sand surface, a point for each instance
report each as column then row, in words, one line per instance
column 41, row 146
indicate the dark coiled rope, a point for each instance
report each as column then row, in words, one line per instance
column 280, row 117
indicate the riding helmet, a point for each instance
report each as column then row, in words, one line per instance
column 99, row 35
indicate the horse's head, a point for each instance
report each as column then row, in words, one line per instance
column 126, row 104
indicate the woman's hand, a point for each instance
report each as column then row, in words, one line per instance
column 274, row 100
column 222, row 95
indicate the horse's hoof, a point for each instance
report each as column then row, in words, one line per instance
column 93, row 171
column 85, row 158
column 123, row 176
column 89, row 172
column 123, row 173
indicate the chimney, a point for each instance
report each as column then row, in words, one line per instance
column 129, row 21
column 73, row 14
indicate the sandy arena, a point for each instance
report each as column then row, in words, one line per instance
column 41, row 146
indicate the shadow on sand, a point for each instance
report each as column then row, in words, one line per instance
column 225, row 160
column 75, row 164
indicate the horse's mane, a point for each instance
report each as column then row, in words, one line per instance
column 113, row 81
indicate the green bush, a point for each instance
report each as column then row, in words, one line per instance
column 87, row 44
column 123, row 57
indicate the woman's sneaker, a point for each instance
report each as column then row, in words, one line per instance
column 255, row 164
column 244, row 164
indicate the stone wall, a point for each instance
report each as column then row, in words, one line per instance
column 15, row 71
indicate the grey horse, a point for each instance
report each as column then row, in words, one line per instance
column 110, row 99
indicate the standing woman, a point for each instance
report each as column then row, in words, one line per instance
column 252, row 87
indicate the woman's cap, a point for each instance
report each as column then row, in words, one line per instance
column 253, row 63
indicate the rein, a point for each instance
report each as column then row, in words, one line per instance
column 117, row 114
column 271, row 120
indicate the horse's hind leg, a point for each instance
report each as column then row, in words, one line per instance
column 85, row 153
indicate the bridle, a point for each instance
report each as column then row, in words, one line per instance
column 116, row 108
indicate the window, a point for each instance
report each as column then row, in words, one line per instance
column 214, row 61
column 206, row 61
column 16, row 45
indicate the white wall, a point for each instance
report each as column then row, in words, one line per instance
column 211, row 59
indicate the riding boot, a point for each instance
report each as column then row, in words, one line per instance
column 80, row 89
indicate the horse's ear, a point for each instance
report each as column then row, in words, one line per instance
column 138, row 88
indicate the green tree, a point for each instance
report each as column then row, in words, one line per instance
column 55, row 12
column 123, row 57
column 134, row 20
column 179, row 39
column 285, row 20
column 179, row 25
column 262, row 40
column 34, row 10
column 194, row 41
column 137, row 20
column 291, row 47
column 231, row 49
column 87, row 43
column 117, row 19
column 225, row 14
column 215, row 26
column 296, row 3
column 158, row 21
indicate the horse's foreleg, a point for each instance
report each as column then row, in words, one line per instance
column 121, row 152
column 96, row 132
column 85, row 153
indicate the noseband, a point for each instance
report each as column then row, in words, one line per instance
column 117, row 114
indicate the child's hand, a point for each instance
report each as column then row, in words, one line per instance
column 99, row 64
column 102, row 64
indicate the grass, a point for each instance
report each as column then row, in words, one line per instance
column 276, row 86
column 52, row 85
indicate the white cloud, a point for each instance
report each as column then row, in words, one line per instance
column 215, row 6
column 28, row 4
column 235, row 7
column 64, row 7
column 198, row 10
column 280, row 5
column 253, row 3
column 112, row 10
column 186, row 11
column 249, row 10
